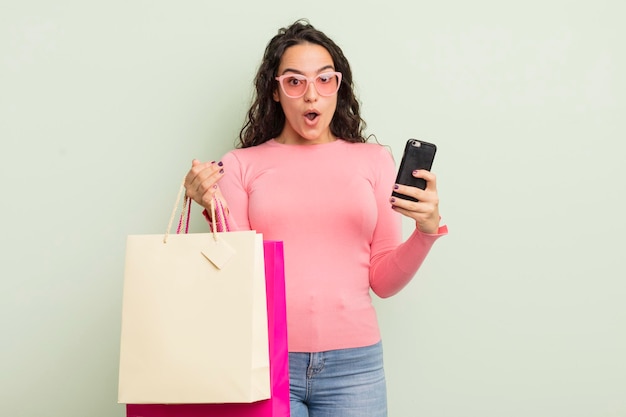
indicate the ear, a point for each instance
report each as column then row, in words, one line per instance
column 276, row 96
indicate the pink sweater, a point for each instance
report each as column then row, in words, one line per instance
column 329, row 204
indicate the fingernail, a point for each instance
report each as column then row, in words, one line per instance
column 395, row 187
column 221, row 171
column 415, row 172
column 220, row 163
column 393, row 200
column 212, row 162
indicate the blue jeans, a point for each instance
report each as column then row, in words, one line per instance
column 338, row 383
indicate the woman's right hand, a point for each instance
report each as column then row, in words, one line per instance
column 201, row 183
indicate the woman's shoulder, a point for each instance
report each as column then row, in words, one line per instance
column 370, row 149
column 244, row 153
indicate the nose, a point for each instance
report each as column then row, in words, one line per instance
column 311, row 92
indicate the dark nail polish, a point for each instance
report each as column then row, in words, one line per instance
column 221, row 171
column 220, row 163
column 395, row 187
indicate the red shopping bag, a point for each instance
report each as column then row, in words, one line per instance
column 278, row 404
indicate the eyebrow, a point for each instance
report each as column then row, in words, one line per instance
column 326, row 67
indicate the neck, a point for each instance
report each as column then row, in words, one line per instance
column 288, row 139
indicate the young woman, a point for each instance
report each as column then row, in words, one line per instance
column 304, row 173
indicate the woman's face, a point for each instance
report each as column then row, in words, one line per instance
column 308, row 117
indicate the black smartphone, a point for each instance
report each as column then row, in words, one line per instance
column 418, row 154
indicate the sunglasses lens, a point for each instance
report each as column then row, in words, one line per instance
column 327, row 84
column 294, row 86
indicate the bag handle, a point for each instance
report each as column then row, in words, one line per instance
column 220, row 214
column 184, row 216
column 218, row 217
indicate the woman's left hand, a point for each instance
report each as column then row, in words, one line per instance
column 425, row 211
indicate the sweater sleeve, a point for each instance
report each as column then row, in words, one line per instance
column 233, row 188
column 393, row 270
column 394, row 264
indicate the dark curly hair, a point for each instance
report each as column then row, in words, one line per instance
column 266, row 119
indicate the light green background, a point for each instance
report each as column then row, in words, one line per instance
column 519, row 312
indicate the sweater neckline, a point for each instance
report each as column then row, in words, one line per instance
column 273, row 142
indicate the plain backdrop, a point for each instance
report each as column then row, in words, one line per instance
column 519, row 312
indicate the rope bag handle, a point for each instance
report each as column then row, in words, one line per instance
column 219, row 221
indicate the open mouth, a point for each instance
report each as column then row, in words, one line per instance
column 311, row 115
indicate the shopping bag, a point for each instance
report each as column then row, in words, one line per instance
column 194, row 319
column 278, row 404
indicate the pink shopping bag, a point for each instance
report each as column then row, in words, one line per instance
column 278, row 404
